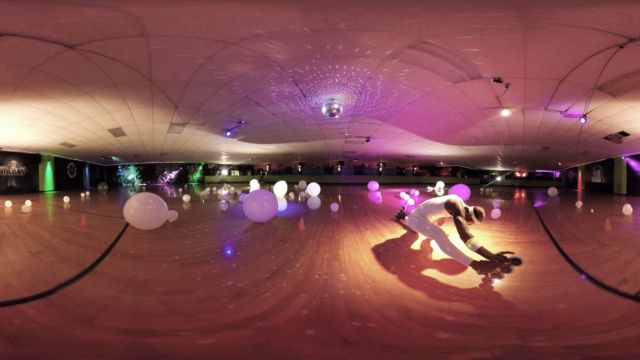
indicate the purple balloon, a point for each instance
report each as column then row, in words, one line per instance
column 461, row 190
column 260, row 205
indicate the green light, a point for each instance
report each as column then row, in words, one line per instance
column 49, row 184
column 196, row 175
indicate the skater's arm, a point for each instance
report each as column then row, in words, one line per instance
column 467, row 237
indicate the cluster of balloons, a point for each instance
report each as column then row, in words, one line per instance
column 627, row 209
column 438, row 189
column 406, row 197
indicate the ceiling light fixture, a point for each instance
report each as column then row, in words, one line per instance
column 583, row 119
column 230, row 131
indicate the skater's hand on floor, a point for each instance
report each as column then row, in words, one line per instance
column 500, row 257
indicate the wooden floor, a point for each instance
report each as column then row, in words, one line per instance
column 311, row 284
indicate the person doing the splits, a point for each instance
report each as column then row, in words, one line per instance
column 427, row 218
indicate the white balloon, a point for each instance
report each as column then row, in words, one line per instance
column 254, row 184
column 496, row 203
column 26, row 209
column 302, row 184
column 280, row 188
column 172, row 215
column 373, row 185
column 627, row 209
column 334, row 207
column 313, row 189
column 8, row 204
column 411, row 202
column 440, row 185
column 28, row 203
column 186, row 197
column 66, row 199
column 145, row 211
column 214, row 189
column 82, row 195
column 180, row 190
column 578, row 204
column 291, row 194
column 552, row 191
column 260, row 206
column 88, row 193
column 496, row 213
column 282, row 203
column 314, row 202
column 439, row 191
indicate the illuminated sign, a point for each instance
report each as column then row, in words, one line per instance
column 13, row 169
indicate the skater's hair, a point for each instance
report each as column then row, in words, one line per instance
column 478, row 213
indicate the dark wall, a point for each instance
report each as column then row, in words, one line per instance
column 633, row 175
column 18, row 172
column 69, row 174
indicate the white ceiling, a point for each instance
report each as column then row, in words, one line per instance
column 412, row 75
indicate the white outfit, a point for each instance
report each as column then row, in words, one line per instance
column 422, row 220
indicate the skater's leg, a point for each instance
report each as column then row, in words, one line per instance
column 430, row 230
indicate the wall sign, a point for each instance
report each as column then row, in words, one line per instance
column 72, row 170
column 13, row 168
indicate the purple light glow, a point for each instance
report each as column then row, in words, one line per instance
column 168, row 177
column 634, row 164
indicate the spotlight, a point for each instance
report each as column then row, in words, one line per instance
column 583, row 119
column 499, row 178
column 505, row 112
column 227, row 133
column 559, row 164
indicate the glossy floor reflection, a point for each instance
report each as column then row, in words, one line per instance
column 313, row 283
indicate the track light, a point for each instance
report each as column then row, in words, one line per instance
column 583, row 119
column 239, row 124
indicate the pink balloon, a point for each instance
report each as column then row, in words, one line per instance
column 145, row 211
column 461, row 190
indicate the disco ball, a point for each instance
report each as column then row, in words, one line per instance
column 331, row 109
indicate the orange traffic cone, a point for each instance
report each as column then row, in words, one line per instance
column 607, row 225
column 83, row 222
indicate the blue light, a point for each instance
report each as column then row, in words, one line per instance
column 228, row 251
